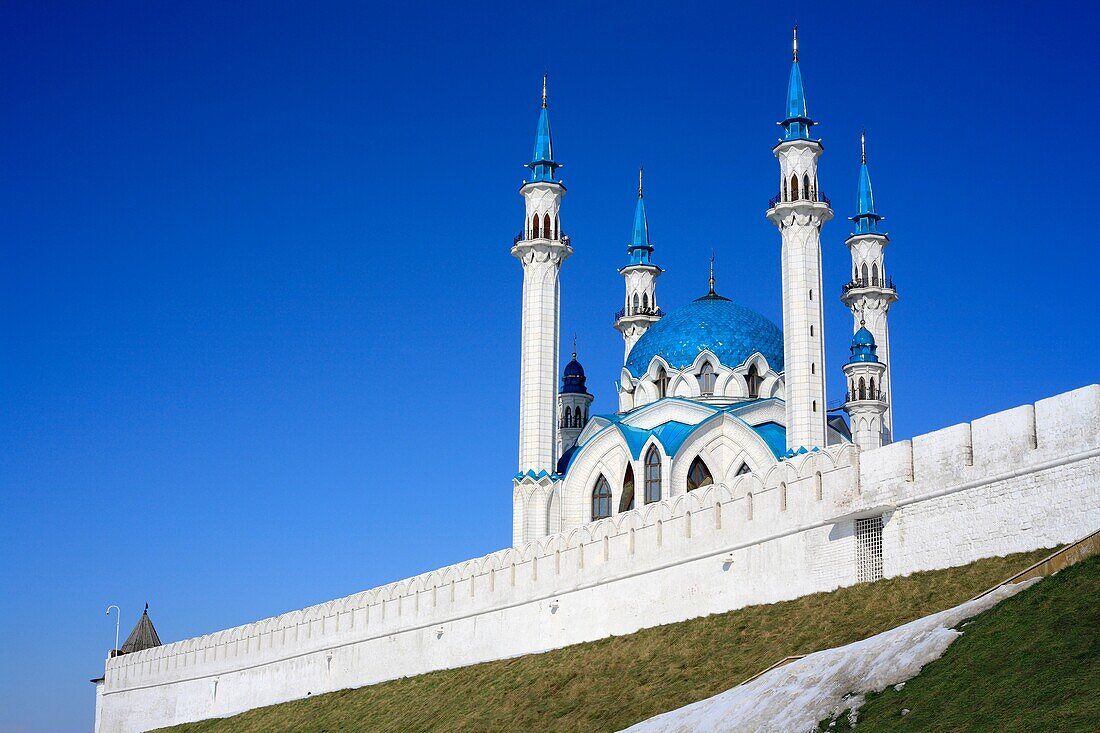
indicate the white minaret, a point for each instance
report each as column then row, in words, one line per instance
column 865, row 402
column 540, row 248
column 573, row 403
column 640, row 309
column 799, row 211
column 870, row 293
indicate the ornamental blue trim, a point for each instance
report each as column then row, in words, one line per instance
column 731, row 332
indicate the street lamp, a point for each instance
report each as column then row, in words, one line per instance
column 118, row 611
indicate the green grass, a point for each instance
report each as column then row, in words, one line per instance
column 609, row 684
column 1031, row 663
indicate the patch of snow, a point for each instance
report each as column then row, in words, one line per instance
column 822, row 685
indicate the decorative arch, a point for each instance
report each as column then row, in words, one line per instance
column 546, row 225
column 601, row 499
column 626, row 499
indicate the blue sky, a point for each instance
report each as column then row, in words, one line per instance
column 260, row 343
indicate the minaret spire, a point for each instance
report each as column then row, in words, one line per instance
column 640, row 309
column 640, row 169
column 794, row 45
column 544, row 75
column 711, row 273
column 863, row 147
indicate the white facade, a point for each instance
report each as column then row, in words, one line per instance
column 1018, row 480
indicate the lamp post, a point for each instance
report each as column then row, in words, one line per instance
column 118, row 612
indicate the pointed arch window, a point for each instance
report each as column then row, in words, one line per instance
column 786, row 196
column 546, row 226
column 698, row 474
column 662, row 382
column 806, row 187
column 707, row 379
column 635, row 308
column 626, row 502
column 753, row 380
column 567, row 418
column 601, row 499
column 863, row 271
column 794, row 187
column 744, row 469
column 871, row 389
column 862, row 389
column 535, row 226
column 652, row 475
column 645, row 302
column 874, row 274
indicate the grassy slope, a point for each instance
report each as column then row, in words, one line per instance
column 610, row 684
column 1032, row 663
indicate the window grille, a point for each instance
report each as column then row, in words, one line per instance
column 868, row 549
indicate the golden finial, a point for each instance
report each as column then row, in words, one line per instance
column 640, row 169
column 795, row 44
column 863, row 147
column 712, row 272
column 544, row 74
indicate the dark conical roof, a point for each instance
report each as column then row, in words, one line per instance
column 144, row 636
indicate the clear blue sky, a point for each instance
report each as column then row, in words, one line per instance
column 260, row 325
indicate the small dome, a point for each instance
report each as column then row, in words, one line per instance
column 573, row 381
column 730, row 331
column 863, row 346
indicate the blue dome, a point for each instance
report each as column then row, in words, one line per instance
column 573, row 380
column 863, row 346
column 730, row 331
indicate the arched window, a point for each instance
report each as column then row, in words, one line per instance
column 645, row 302
column 546, row 226
column 753, row 381
column 652, row 475
column 698, row 474
column 567, row 418
column 862, row 389
column 578, row 418
column 601, row 499
column 794, row 187
column 557, row 226
column 535, row 226
column 635, row 309
column 744, row 469
column 786, row 196
column 662, row 382
column 626, row 502
column 874, row 275
column 871, row 389
column 865, row 279
column 707, row 379
column 806, row 187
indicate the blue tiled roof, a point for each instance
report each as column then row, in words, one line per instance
column 672, row 435
column 863, row 346
column 730, row 331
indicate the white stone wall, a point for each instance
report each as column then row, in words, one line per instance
column 1016, row 480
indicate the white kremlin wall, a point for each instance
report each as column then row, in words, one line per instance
column 1017, row 480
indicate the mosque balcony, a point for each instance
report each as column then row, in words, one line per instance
column 522, row 237
column 813, row 197
column 876, row 283
column 628, row 312
column 865, row 396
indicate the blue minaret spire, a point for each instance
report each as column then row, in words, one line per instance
column 867, row 219
column 542, row 163
column 640, row 249
column 797, row 123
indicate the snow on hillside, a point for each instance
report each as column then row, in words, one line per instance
column 793, row 698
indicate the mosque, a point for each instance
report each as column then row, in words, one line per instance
column 711, row 389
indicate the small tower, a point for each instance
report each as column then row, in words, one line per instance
column 144, row 636
column 640, row 309
column 541, row 248
column 866, row 402
column 573, row 403
column 799, row 211
column 870, row 293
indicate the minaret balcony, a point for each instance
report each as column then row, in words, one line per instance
column 865, row 396
column 872, row 283
column 812, row 197
column 522, row 237
column 643, row 312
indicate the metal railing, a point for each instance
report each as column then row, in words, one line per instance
column 522, row 236
column 639, row 311
column 866, row 395
column 812, row 196
column 886, row 283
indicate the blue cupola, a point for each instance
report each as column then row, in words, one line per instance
column 863, row 346
column 542, row 163
column 573, row 379
column 797, row 124
column 640, row 249
column 867, row 219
